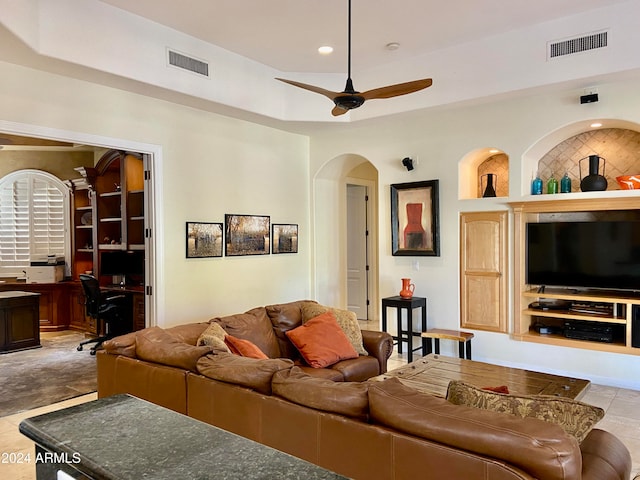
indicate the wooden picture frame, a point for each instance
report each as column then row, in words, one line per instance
column 204, row 240
column 415, row 229
column 284, row 238
column 247, row 235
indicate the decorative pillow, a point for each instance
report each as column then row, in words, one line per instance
column 244, row 371
column 345, row 398
column 155, row 345
column 539, row 448
column 575, row 418
column 321, row 341
column 347, row 320
column 244, row 348
column 214, row 337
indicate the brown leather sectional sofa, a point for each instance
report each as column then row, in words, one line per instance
column 335, row 418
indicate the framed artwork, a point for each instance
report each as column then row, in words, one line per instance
column 204, row 240
column 415, row 229
column 284, row 238
column 247, row 235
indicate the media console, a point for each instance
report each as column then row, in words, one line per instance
column 596, row 319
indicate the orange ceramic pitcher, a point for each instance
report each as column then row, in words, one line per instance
column 407, row 288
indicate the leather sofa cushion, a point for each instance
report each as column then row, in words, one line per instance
column 254, row 326
column 347, row 320
column 285, row 317
column 158, row 346
column 575, row 418
column 541, row 449
column 321, row 341
column 247, row 372
column 345, row 398
column 358, row 369
column 189, row 332
column 122, row 345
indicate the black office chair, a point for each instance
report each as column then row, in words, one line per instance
column 107, row 310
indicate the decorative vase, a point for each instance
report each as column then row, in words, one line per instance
column 489, row 190
column 594, row 181
column 536, row 185
column 552, row 185
column 414, row 234
column 407, row 288
column 565, row 183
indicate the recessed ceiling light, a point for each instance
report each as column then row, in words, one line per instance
column 596, row 125
column 393, row 46
column 325, row 50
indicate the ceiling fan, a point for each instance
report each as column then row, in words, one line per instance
column 350, row 98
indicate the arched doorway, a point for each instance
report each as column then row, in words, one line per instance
column 334, row 230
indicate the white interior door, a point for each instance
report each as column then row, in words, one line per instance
column 357, row 251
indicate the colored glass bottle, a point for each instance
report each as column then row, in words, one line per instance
column 565, row 183
column 552, row 185
column 536, row 185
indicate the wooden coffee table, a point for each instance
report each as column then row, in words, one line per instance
column 432, row 374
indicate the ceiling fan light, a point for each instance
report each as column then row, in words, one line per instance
column 348, row 102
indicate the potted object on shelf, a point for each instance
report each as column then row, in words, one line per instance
column 594, row 181
column 407, row 288
column 489, row 190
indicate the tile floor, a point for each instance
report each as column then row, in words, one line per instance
column 622, row 418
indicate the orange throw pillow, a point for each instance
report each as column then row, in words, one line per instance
column 244, row 348
column 321, row 341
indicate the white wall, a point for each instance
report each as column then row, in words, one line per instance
column 440, row 139
column 208, row 165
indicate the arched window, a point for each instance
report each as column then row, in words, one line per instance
column 34, row 219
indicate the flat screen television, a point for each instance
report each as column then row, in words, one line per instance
column 584, row 254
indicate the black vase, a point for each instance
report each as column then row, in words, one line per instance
column 594, row 181
column 489, row 191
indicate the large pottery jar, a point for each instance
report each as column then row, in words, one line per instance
column 594, row 181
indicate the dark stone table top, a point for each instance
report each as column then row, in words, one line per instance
column 125, row 438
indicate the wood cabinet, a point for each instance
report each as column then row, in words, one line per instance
column 483, row 270
column 616, row 307
column 54, row 303
column 114, row 200
column 19, row 326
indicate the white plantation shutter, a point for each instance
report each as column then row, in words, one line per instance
column 34, row 218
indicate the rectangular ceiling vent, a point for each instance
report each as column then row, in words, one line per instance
column 578, row 44
column 188, row 63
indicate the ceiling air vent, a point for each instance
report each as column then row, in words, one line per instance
column 578, row 44
column 188, row 63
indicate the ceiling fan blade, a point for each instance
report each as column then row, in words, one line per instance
column 327, row 93
column 397, row 90
column 337, row 111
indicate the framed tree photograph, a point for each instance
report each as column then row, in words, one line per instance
column 247, row 235
column 415, row 227
column 204, row 240
column 284, row 238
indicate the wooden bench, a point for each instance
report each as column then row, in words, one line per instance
column 464, row 339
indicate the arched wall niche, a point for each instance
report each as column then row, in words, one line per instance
column 477, row 163
column 560, row 152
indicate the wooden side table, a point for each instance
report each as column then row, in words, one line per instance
column 408, row 304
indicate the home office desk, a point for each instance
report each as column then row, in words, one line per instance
column 135, row 300
column 124, row 438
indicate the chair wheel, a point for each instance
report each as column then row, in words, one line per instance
column 79, row 348
column 92, row 352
